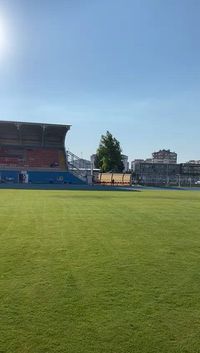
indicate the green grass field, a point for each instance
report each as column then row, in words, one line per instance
column 99, row 272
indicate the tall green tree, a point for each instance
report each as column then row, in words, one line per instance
column 109, row 154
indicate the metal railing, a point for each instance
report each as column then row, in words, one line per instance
column 76, row 165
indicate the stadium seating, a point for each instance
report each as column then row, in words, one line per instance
column 105, row 178
column 127, row 179
column 43, row 158
column 32, row 157
column 117, row 178
column 11, row 156
column 114, row 179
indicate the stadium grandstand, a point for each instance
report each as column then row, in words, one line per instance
column 34, row 152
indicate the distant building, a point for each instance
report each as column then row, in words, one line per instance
column 136, row 161
column 125, row 163
column 164, row 156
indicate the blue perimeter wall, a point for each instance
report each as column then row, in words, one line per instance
column 39, row 177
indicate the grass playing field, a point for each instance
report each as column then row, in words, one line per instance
column 99, row 272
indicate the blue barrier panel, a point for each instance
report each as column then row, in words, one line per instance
column 41, row 177
column 53, row 177
column 11, row 176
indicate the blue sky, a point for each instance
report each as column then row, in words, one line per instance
column 128, row 66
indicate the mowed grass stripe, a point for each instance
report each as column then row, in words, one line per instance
column 99, row 271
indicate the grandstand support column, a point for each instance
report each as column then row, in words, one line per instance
column 66, row 157
column 92, row 167
column 19, row 133
column 43, row 135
